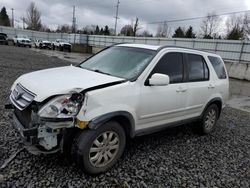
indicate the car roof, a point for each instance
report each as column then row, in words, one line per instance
column 145, row 46
column 159, row 48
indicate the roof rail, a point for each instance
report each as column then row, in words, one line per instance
column 169, row 46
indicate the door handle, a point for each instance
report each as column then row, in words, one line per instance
column 211, row 86
column 181, row 90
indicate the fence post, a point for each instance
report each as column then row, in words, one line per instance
column 216, row 46
column 241, row 50
column 193, row 43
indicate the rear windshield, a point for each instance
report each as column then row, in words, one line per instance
column 218, row 66
column 123, row 62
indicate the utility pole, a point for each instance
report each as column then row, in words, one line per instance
column 74, row 21
column 12, row 20
column 116, row 15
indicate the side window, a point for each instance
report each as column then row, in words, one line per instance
column 197, row 68
column 218, row 66
column 171, row 64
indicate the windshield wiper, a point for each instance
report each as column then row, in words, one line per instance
column 99, row 71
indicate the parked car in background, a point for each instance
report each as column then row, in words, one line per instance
column 3, row 38
column 62, row 44
column 22, row 40
column 43, row 44
column 89, row 111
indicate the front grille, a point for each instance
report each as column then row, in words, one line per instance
column 21, row 97
column 24, row 116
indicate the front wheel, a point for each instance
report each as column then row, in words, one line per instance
column 98, row 150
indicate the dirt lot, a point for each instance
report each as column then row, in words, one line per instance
column 173, row 158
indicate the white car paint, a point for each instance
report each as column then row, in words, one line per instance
column 61, row 42
column 22, row 39
column 41, row 42
column 56, row 81
column 150, row 106
column 153, row 106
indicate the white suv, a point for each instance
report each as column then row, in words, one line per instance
column 90, row 110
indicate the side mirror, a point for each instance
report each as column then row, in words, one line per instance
column 158, row 79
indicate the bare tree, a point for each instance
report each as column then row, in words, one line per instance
column 246, row 25
column 210, row 25
column 135, row 26
column 33, row 17
column 235, row 29
column 163, row 30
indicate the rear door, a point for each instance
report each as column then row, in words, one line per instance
column 200, row 84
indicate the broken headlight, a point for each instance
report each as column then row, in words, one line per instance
column 65, row 106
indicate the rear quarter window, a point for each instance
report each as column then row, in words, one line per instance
column 218, row 66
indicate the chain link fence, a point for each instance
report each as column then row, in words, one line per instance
column 238, row 51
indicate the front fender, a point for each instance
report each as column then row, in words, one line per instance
column 98, row 121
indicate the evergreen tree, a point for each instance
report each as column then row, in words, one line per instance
column 106, row 30
column 4, row 18
column 190, row 33
column 179, row 33
column 97, row 30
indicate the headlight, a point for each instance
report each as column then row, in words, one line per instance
column 65, row 106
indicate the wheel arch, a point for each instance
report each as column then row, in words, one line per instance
column 217, row 101
column 125, row 119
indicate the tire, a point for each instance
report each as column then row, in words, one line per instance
column 29, row 46
column 108, row 135
column 209, row 120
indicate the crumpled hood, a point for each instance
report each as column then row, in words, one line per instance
column 55, row 81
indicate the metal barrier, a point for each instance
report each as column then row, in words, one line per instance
column 238, row 51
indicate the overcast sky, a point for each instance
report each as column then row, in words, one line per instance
column 102, row 12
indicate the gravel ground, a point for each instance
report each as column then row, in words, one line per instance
column 176, row 157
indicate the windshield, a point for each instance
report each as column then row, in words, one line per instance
column 123, row 62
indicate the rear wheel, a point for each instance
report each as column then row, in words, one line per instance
column 98, row 150
column 209, row 119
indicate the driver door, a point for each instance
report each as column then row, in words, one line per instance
column 161, row 105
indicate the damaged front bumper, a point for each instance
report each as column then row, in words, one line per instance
column 45, row 137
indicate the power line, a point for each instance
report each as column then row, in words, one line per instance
column 197, row 18
column 116, row 15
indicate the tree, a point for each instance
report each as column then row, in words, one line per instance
column 235, row 29
column 136, row 26
column 33, row 17
column 210, row 26
column 189, row 33
column 145, row 33
column 97, row 30
column 106, row 30
column 127, row 30
column 4, row 18
column 163, row 30
column 64, row 28
column 179, row 33
column 246, row 25
column 236, row 33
